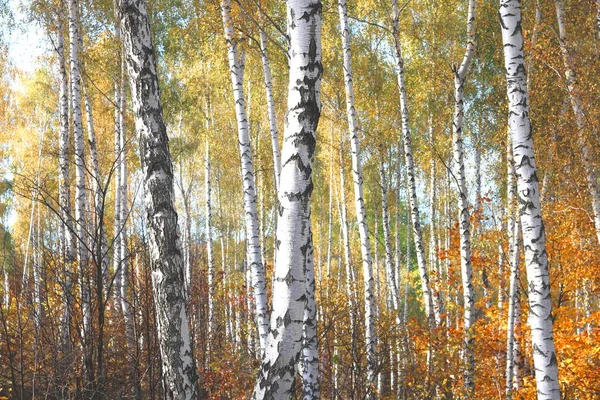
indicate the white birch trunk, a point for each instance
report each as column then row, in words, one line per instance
column 66, row 228
column 361, row 215
column 178, row 368
column 252, row 229
column 514, row 301
column 460, row 74
column 292, row 278
column 410, row 169
column 80, row 168
column 433, row 259
column 580, row 117
column 270, row 108
column 118, row 226
column 209, row 249
column 389, row 259
column 534, row 241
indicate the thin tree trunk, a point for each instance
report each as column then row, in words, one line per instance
column 292, row 279
column 252, row 229
column 361, row 214
column 209, row 249
column 66, row 229
column 573, row 89
column 270, row 108
column 389, row 261
column 534, row 241
column 80, row 189
column 178, row 367
column 410, row 169
column 514, row 300
column 460, row 75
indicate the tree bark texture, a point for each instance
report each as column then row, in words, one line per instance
column 291, row 280
column 534, row 240
column 178, row 367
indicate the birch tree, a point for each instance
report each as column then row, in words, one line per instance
column 534, row 241
column 359, row 202
column 178, row 367
column 291, row 278
column 514, row 298
column 410, row 170
column 256, row 265
column 270, row 108
column 80, row 167
column 66, row 228
column 460, row 76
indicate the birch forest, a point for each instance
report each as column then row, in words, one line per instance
column 300, row 199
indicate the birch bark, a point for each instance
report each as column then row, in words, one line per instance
column 178, row 368
column 460, row 75
column 534, row 241
column 291, row 281
column 361, row 214
column 514, row 300
column 68, row 251
column 410, row 170
column 252, row 228
column 80, row 168
column 270, row 108
column 209, row 249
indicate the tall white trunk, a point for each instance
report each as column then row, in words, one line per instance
column 534, row 241
column 460, row 74
column 410, row 169
column 433, row 259
column 252, row 229
column 514, row 301
column 292, row 278
column 309, row 359
column 66, row 227
column 270, row 108
column 361, row 214
column 118, row 225
column 580, row 118
column 389, row 258
column 178, row 367
column 209, row 249
column 80, row 168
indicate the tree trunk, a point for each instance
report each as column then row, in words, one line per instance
column 80, row 190
column 514, row 301
column 66, row 229
column 389, row 258
column 580, row 117
column 534, row 241
column 209, row 249
column 292, row 278
column 361, row 214
column 460, row 74
column 270, row 108
column 179, row 371
column 252, row 229
column 410, row 169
